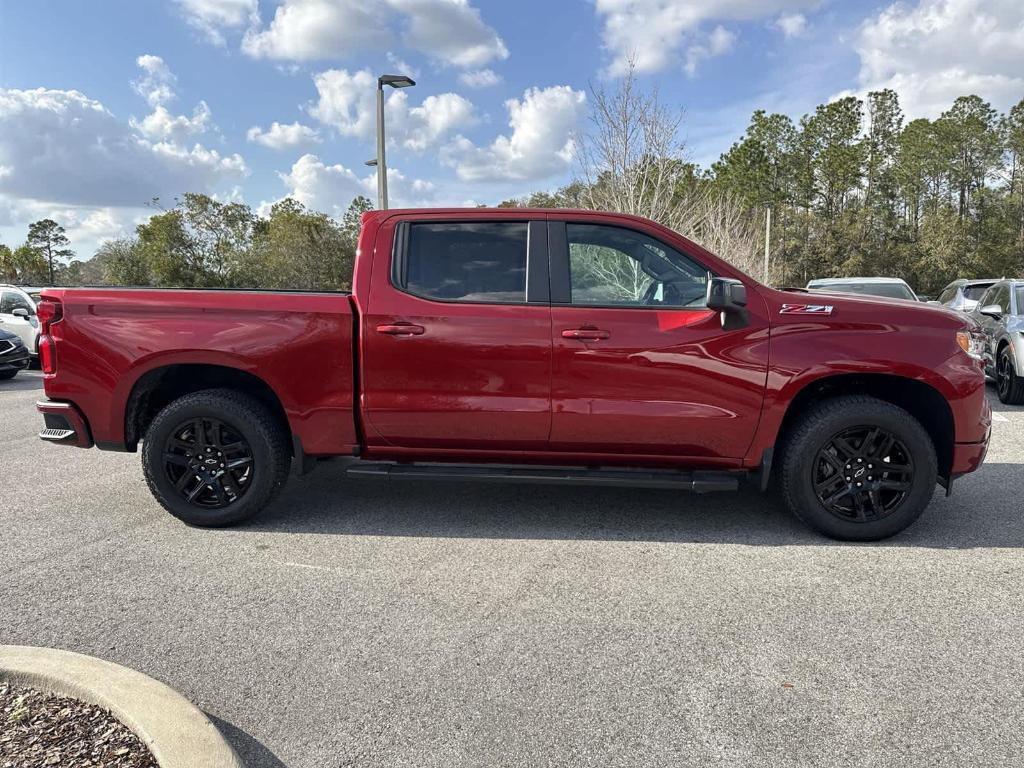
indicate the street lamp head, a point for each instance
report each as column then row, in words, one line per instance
column 396, row 81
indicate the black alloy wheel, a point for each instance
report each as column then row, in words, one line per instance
column 863, row 474
column 208, row 463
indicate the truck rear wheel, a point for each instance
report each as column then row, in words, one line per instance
column 858, row 469
column 215, row 457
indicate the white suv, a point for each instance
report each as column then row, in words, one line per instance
column 18, row 315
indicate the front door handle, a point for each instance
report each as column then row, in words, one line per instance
column 585, row 334
column 401, row 329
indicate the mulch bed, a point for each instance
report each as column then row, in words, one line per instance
column 43, row 730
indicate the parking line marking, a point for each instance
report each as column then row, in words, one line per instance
column 999, row 417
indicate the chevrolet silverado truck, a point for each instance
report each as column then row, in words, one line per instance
column 516, row 345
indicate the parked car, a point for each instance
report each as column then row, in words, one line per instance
column 963, row 295
column 1000, row 313
column 13, row 355
column 523, row 345
column 18, row 315
column 885, row 287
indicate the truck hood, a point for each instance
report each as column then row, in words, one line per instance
column 898, row 311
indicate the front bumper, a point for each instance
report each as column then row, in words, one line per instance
column 64, row 424
column 968, row 457
column 14, row 360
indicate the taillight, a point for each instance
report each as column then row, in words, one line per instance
column 48, row 312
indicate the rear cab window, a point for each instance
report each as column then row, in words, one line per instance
column 468, row 261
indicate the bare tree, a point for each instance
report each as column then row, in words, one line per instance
column 633, row 161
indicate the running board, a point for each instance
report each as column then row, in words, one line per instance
column 697, row 482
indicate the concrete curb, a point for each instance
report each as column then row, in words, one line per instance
column 176, row 732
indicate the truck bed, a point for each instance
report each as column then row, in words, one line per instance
column 298, row 343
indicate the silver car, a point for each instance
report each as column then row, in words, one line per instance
column 963, row 295
column 1000, row 311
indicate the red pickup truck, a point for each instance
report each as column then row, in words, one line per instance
column 525, row 346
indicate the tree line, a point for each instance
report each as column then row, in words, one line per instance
column 202, row 242
column 853, row 188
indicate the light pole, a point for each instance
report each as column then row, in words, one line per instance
column 395, row 81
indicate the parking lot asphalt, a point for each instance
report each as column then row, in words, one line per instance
column 360, row 623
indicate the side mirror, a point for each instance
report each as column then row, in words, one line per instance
column 992, row 310
column 729, row 297
column 21, row 312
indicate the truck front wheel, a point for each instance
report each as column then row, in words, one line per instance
column 215, row 457
column 858, row 468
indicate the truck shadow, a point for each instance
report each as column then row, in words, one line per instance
column 986, row 510
column 252, row 753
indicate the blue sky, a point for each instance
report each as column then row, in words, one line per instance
column 104, row 105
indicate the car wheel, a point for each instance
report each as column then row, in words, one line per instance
column 215, row 457
column 4, row 375
column 857, row 468
column 1009, row 385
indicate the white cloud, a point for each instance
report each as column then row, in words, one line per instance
column 331, row 187
column 161, row 125
column 87, row 227
column 480, row 78
column 422, row 127
column 934, row 51
column 718, row 42
column 450, row 31
column 653, row 33
column 347, row 103
column 284, row 136
column 540, row 144
column 63, row 147
column 791, row 24
column 156, row 83
column 212, row 16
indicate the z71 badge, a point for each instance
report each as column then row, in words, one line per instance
column 806, row 309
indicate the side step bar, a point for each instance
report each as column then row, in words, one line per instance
column 697, row 482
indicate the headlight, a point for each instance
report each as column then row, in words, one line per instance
column 972, row 342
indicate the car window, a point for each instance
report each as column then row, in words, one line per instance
column 619, row 267
column 1002, row 297
column 987, row 297
column 466, row 261
column 12, row 300
column 975, row 292
column 947, row 295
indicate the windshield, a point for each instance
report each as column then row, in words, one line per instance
column 886, row 290
column 975, row 292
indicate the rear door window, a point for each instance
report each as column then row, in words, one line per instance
column 479, row 262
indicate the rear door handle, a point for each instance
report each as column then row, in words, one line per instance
column 401, row 329
column 585, row 334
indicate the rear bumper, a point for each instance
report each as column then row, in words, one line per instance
column 64, row 424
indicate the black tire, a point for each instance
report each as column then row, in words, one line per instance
column 4, row 375
column 251, row 424
column 874, row 510
column 1009, row 386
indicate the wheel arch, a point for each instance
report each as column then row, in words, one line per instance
column 160, row 386
column 921, row 400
